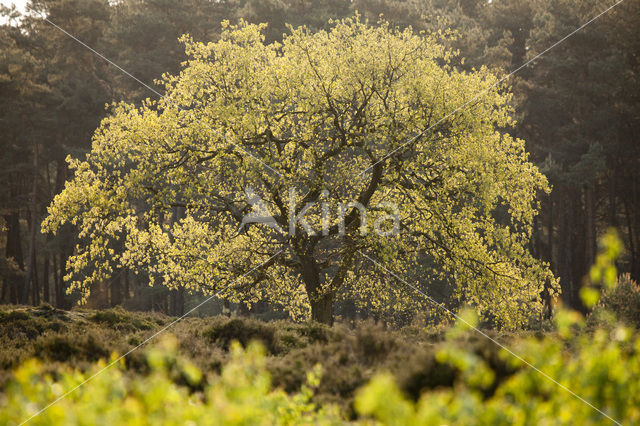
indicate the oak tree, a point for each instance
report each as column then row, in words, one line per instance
column 335, row 132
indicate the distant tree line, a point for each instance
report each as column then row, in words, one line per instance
column 578, row 109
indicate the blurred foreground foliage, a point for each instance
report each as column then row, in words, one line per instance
column 481, row 384
column 599, row 367
column 242, row 394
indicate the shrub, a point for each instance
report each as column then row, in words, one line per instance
column 623, row 300
column 244, row 331
column 21, row 324
column 601, row 367
column 89, row 346
column 121, row 320
column 279, row 337
column 241, row 395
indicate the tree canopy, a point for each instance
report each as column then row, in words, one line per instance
column 312, row 124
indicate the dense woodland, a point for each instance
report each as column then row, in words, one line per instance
column 577, row 108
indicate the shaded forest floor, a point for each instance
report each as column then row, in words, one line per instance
column 350, row 356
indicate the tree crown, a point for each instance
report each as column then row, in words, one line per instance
column 319, row 121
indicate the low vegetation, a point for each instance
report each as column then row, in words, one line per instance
column 310, row 373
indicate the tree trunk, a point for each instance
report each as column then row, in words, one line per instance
column 116, row 290
column 181, row 301
column 14, row 250
column 590, row 227
column 579, row 239
column 35, row 283
column 126, row 284
column 635, row 209
column 45, row 280
column 613, row 208
column 550, row 236
column 31, row 262
column 321, row 301
column 177, row 302
column 60, row 299
column 632, row 244
column 565, row 252
column 322, row 308
column 56, row 281
column 548, row 253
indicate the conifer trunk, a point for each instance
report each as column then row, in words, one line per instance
column 31, row 262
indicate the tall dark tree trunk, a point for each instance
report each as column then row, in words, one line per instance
column 590, row 227
column 631, row 247
column 566, row 251
column 35, row 283
column 45, row 280
column 31, row 262
column 56, row 281
column 126, row 284
column 60, row 299
column 579, row 247
column 4, row 290
column 635, row 230
column 550, row 236
column 536, row 234
column 177, row 302
column 14, row 250
column 613, row 208
column 115, row 297
column 181, row 301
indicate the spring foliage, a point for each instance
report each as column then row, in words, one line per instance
column 600, row 366
column 163, row 188
column 242, row 394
